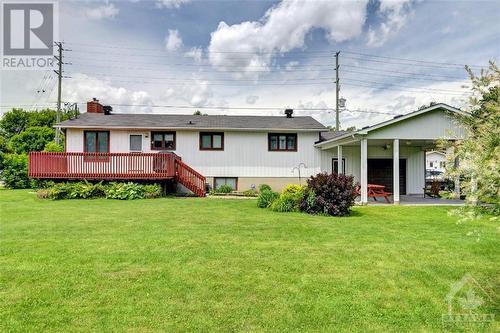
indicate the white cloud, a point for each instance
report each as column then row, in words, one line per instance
column 291, row 64
column 108, row 11
column 171, row 3
column 198, row 93
column 83, row 87
column 196, row 53
column 173, row 41
column 283, row 28
column 252, row 99
column 395, row 14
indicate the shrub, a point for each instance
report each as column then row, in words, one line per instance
column 292, row 188
column 15, row 171
column 14, row 122
column 224, row 189
column 32, row 139
column 85, row 190
column 264, row 187
column 334, row 194
column 308, row 201
column 53, row 147
column 3, row 150
column 152, row 191
column 59, row 191
column 124, row 191
column 286, row 203
column 250, row 193
column 266, row 198
column 289, row 200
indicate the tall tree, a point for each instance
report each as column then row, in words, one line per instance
column 479, row 153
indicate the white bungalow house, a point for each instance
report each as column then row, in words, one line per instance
column 245, row 151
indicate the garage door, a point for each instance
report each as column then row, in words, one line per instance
column 380, row 172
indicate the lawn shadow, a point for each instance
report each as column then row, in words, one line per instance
column 356, row 213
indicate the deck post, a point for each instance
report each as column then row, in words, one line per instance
column 339, row 160
column 364, row 171
column 395, row 174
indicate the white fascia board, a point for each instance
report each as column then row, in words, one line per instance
column 344, row 140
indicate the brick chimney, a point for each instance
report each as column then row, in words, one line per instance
column 94, row 106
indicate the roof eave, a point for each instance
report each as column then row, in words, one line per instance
column 192, row 128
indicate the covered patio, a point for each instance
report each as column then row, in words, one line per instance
column 388, row 159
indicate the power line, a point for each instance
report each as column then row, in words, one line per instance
column 401, row 63
column 220, row 84
column 191, row 107
column 249, row 108
column 411, row 60
column 239, row 57
column 193, row 65
column 326, row 53
column 403, row 89
column 409, row 73
column 292, row 69
column 396, row 76
column 405, row 86
column 163, row 50
column 181, row 83
column 211, row 80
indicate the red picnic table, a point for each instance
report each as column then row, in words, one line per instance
column 377, row 191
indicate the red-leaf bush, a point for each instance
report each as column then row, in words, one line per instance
column 330, row 194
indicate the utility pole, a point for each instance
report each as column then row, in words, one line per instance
column 337, row 91
column 340, row 166
column 59, row 73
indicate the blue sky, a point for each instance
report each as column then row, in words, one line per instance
column 267, row 54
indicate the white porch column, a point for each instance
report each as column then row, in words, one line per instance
column 364, row 171
column 339, row 160
column 395, row 168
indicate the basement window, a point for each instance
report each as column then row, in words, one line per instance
column 231, row 181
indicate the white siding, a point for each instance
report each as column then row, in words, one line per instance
column 428, row 126
column 245, row 154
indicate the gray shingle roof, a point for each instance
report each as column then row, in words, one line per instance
column 332, row 134
column 160, row 121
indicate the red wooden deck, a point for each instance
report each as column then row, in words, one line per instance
column 115, row 166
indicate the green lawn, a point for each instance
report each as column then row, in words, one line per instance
column 224, row 265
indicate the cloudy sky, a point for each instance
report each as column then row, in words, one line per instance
column 258, row 57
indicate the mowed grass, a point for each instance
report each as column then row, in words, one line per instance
column 183, row 265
